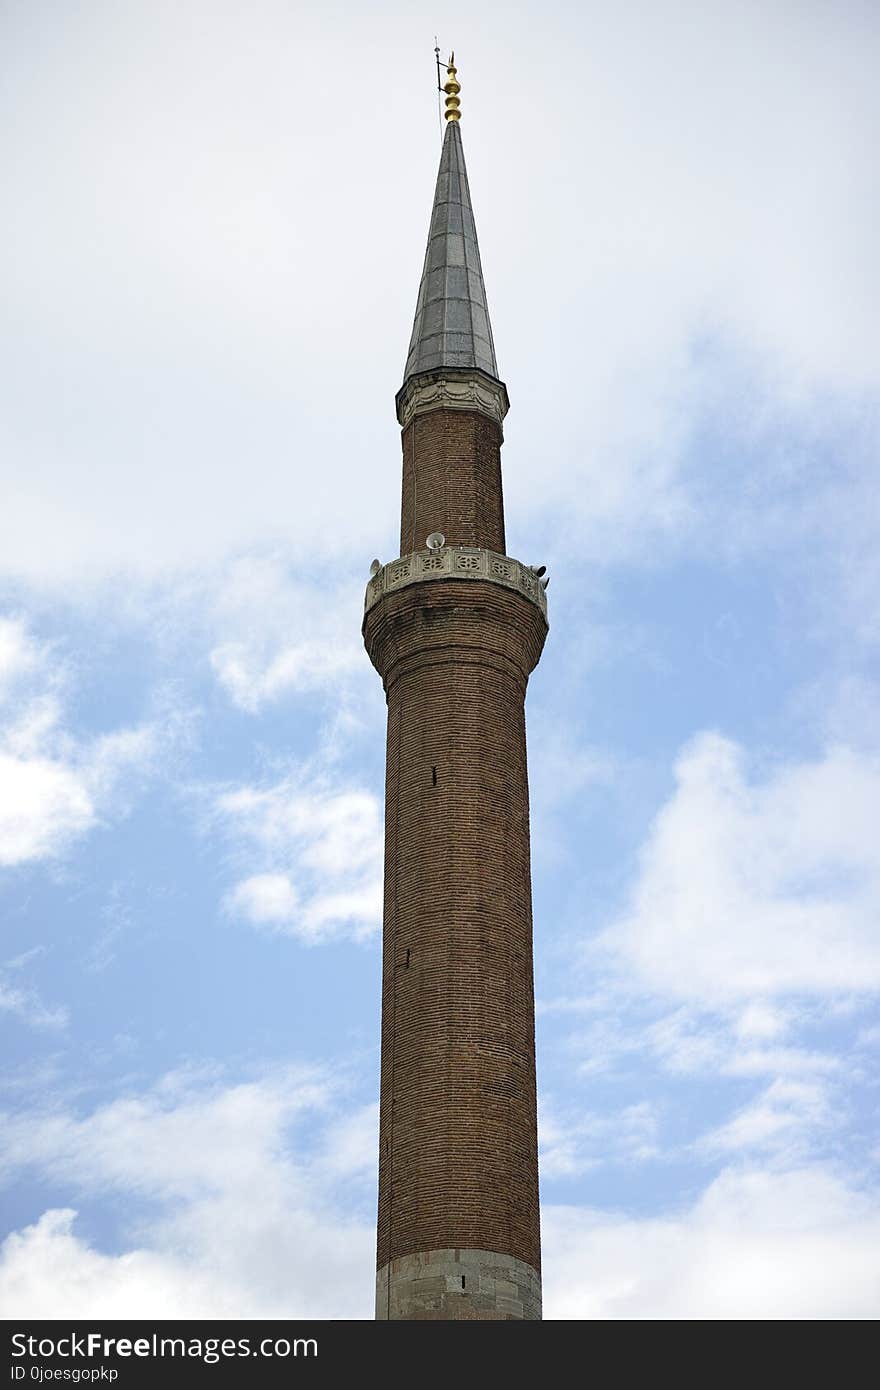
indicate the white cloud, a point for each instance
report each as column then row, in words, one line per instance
column 265, row 898
column 213, row 396
column 782, row 1121
column 781, row 1061
column 692, row 1041
column 53, row 787
column 752, row 889
column 18, row 655
column 281, row 633
column 318, row 845
column 303, row 665
column 47, row 1271
column 795, row 1244
column 747, row 950
column 761, row 1022
column 574, row 1141
column 350, row 1146
column 246, row 1217
column 142, row 1143
column 229, row 1215
column 562, row 768
column 25, row 1003
column 694, row 226
column 43, row 806
column 748, row 946
column 622, row 1034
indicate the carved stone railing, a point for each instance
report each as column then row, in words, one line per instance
column 452, row 388
column 456, row 562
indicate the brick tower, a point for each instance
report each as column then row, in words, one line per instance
column 454, row 626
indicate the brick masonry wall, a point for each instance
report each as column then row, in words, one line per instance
column 458, row 1145
column 452, row 481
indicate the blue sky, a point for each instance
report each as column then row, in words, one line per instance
column 216, row 222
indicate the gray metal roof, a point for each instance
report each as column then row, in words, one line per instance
column 451, row 326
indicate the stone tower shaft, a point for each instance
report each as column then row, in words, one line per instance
column 454, row 632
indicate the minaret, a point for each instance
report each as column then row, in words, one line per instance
column 454, row 626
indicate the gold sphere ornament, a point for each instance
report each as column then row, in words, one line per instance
column 452, row 87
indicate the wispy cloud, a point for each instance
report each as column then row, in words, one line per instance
column 283, row 633
column 315, row 843
column 54, row 787
column 782, row 1122
column 25, row 1003
column 573, row 1142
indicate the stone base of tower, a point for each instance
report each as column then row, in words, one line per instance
column 458, row 1285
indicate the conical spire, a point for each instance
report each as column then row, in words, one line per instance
column 451, row 326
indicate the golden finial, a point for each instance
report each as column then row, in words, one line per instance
column 452, row 87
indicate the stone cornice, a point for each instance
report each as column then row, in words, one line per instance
column 456, row 562
column 452, row 388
